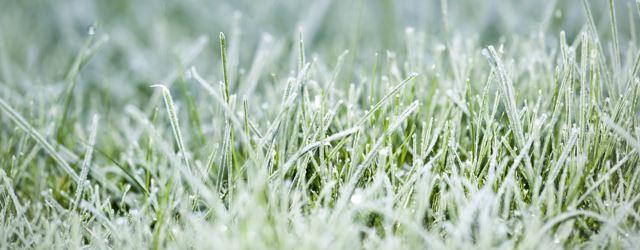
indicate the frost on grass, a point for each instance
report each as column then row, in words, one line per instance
column 320, row 125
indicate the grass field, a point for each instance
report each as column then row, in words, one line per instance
column 323, row 124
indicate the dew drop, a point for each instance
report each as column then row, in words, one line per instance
column 558, row 13
column 356, row 199
column 91, row 30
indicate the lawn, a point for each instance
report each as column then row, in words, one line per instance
column 326, row 124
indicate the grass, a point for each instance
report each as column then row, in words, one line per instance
column 451, row 125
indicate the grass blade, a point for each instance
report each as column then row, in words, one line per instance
column 175, row 126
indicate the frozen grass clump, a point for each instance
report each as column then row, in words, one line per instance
column 320, row 125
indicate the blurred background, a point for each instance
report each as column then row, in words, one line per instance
column 149, row 39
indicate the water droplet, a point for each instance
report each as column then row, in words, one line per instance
column 356, row 199
column 485, row 53
column 558, row 13
column 91, row 30
column 409, row 30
